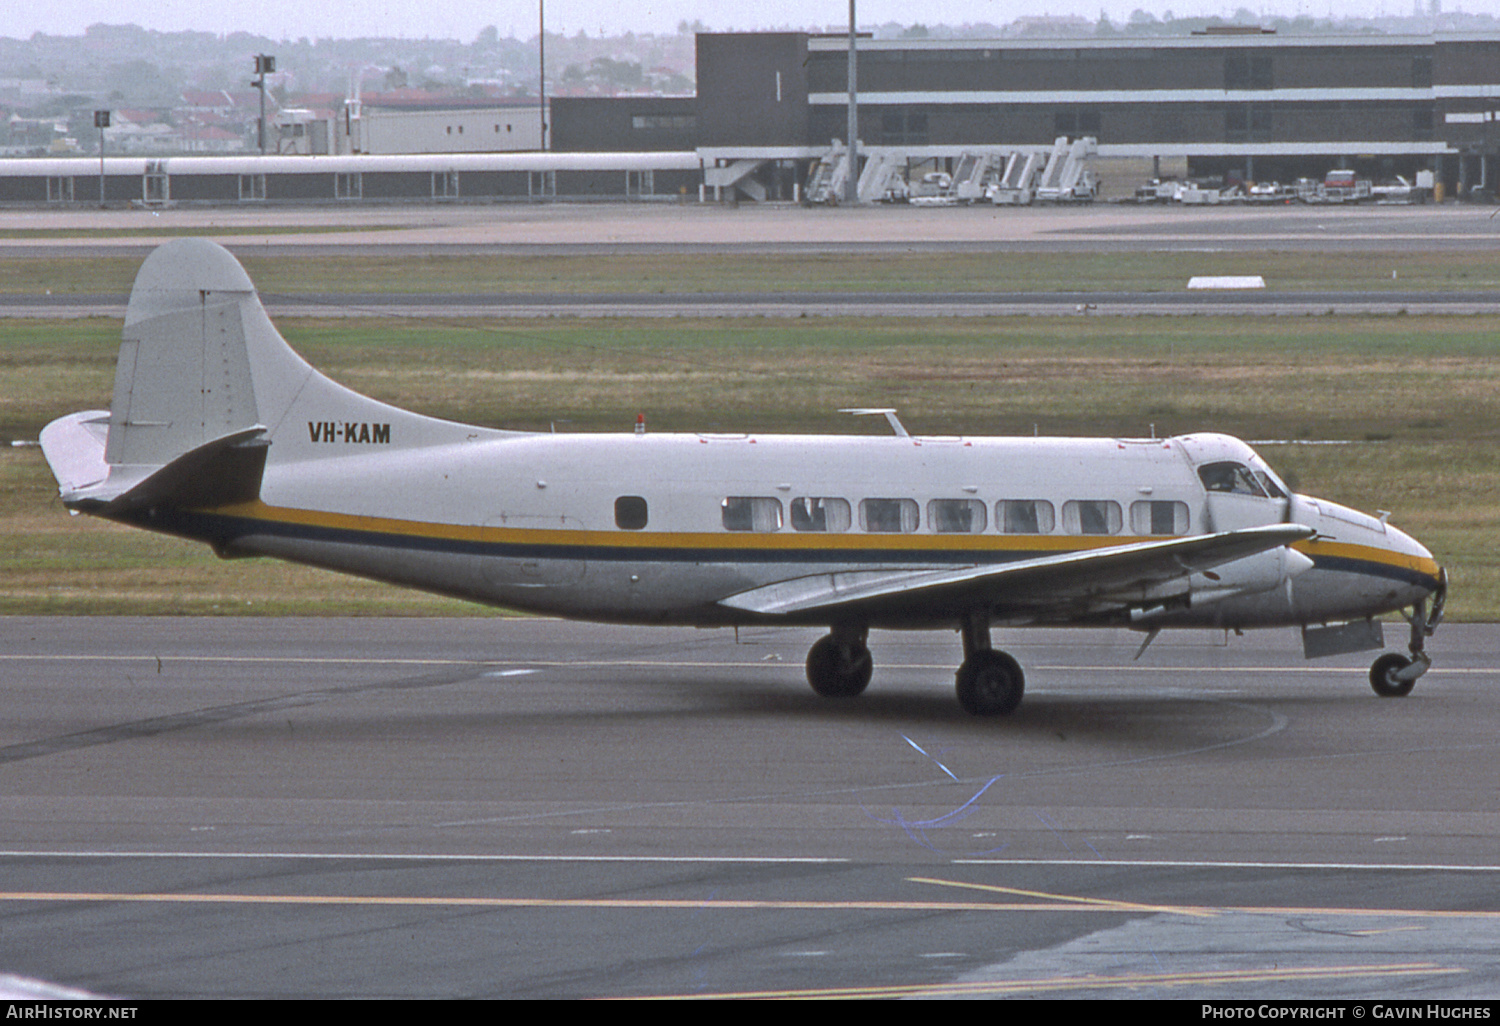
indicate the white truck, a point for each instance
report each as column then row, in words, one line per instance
column 1342, row 186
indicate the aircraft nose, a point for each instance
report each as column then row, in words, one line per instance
column 1405, row 544
column 1430, row 576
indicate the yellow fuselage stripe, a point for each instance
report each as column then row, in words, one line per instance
column 815, row 544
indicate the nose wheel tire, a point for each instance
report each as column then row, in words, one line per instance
column 990, row 683
column 1385, row 679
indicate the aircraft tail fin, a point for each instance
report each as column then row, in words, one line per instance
column 204, row 383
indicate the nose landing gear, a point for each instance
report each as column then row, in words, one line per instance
column 1394, row 675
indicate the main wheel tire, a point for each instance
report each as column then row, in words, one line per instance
column 839, row 670
column 990, row 683
column 1383, row 676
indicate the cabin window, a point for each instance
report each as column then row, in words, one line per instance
column 1159, row 517
column 630, row 512
column 750, row 513
column 956, row 516
column 1025, row 516
column 1230, row 478
column 820, row 514
column 1092, row 516
column 888, row 516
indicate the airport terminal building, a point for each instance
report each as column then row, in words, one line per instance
column 1236, row 102
column 1260, row 105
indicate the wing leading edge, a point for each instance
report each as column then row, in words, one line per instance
column 1087, row 581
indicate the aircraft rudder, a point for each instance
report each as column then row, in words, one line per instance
column 184, row 373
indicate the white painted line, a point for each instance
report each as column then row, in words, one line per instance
column 1425, row 867
column 426, row 857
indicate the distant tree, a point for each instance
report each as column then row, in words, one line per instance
column 142, row 82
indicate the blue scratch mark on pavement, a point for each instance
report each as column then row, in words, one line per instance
column 939, row 765
column 917, row 829
column 1050, row 826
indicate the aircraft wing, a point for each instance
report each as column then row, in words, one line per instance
column 1084, row 581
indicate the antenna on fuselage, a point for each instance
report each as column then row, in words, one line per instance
column 888, row 412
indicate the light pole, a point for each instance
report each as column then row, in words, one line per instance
column 101, row 122
column 541, row 63
column 264, row 65
column 851, row 184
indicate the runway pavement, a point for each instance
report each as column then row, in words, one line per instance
column 771, row 230
column 530, row 808
column 795, row 304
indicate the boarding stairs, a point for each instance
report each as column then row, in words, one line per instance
column 1068, row 178
column 1017, row 183
column 975, row 172
column 826, row 183
column 737, row 175
column 883, row 177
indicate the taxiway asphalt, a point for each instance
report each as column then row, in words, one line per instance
column 532, row 808
column 772, row 229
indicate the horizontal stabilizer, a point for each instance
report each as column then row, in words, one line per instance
column 1093, row 576
column 74, row 448
column 220, row 472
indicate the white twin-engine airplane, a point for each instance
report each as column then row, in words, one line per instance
column 219, row 432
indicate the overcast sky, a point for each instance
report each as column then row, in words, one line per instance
column 462, row 19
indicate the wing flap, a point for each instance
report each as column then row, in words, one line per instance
column 1121, row 572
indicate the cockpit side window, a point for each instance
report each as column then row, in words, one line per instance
column 1268, row 482
column 1230, row 478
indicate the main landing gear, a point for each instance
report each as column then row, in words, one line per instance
column 1394, row 675
column 989, row 682
column 839, row 666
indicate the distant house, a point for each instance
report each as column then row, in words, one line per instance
column 211, row 139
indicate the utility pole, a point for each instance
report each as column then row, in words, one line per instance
column 101, row 122
column 264, row 65
column 851, row 184
column 541, row 64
